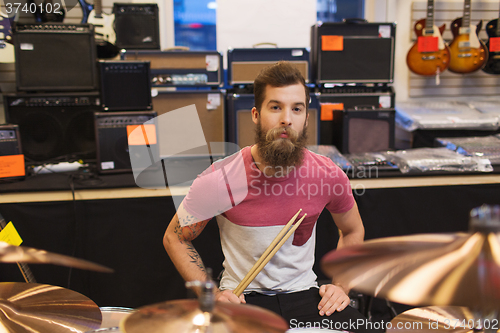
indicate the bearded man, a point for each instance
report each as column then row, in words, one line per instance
column 254, row 193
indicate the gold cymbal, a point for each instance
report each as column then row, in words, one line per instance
column 461, row 269
column 42, row 308
column 12, row 254
column 183, row 316
column 439, row 319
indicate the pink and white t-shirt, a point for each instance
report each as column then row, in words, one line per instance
column 252, row 208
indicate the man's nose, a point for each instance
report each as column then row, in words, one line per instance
column 286, row 119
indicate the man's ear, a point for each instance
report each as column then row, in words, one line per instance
column 255, row 115
column 307, row 119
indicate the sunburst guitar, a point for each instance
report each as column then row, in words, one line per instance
column 467, row 52
column 428, row 61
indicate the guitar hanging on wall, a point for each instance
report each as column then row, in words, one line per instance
column 492, row 65
column 6, row 46
column 429, row 55
column 467, row 52
column 105, row 35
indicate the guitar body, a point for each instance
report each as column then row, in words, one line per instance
column 467, row 52
column 428, row 63
column 103, row 26
column 492, row 65
column 7, row 54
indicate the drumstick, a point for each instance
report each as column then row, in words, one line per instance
column 253, row 272
column 267, row 251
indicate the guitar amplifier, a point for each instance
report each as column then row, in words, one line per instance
column 181, row 68
column 11, row 158
column 125, row 85
column 241, row 128
column 54, row 126
column 353, row 52
column 342, row 98
column 245, row 64
column 363, row 130
column 194, row 133
column 136, row 25
column 55, row 57
column 114, row 134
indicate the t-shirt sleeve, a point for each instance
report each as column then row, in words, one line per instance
column 341, row 198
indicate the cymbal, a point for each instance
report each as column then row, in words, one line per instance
column 12, row 254
column 42, row 308
column 183, row 316
column 439, row 319
column 461, row 269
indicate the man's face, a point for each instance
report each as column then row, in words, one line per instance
column 281, row 125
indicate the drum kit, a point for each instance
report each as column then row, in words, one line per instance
column 454, row 278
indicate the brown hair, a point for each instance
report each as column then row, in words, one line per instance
column 281, row 74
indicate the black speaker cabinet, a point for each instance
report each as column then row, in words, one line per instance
column 210, row 108
column 136, row 25
column 353, row 52
column 241, row 128
column 55, row 57
column 125, row 85
column 342, row 98
column 363, row 130
column 54, row 127
column 113, row 136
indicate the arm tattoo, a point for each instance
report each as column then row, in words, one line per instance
column 195, row 257
column 191, row 230
column 186, row 235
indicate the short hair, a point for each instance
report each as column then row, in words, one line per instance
column 281, row 74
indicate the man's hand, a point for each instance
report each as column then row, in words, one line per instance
column 333, row 299
column 229, row 296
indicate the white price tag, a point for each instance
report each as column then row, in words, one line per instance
column 384, row 31
column 384, row 101
column 212, row 62
column 213, row 101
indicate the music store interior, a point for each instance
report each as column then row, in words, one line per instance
column 110, row 110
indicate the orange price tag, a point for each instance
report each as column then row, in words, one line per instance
column 12, row 166
column 332, row 43
column 428, row 44
column 494, row 44
column 327, row 110
column 140, row 135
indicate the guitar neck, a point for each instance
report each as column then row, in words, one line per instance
column 98, row 8
column 23, row 267
column 498, row 26
column 466, row 17
column 429, row 20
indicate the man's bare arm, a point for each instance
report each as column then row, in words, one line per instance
column 350, row 226
column 177, row 241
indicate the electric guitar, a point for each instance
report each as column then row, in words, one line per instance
column 23, row 267
column 492, row 65
column 105, row 35
column 467, row 52
column 429, row 55
column 6, row 48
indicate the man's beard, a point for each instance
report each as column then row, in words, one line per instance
column 281, row 152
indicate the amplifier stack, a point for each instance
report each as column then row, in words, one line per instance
column 353, row 70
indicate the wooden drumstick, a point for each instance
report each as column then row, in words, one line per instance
column 257, row 268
